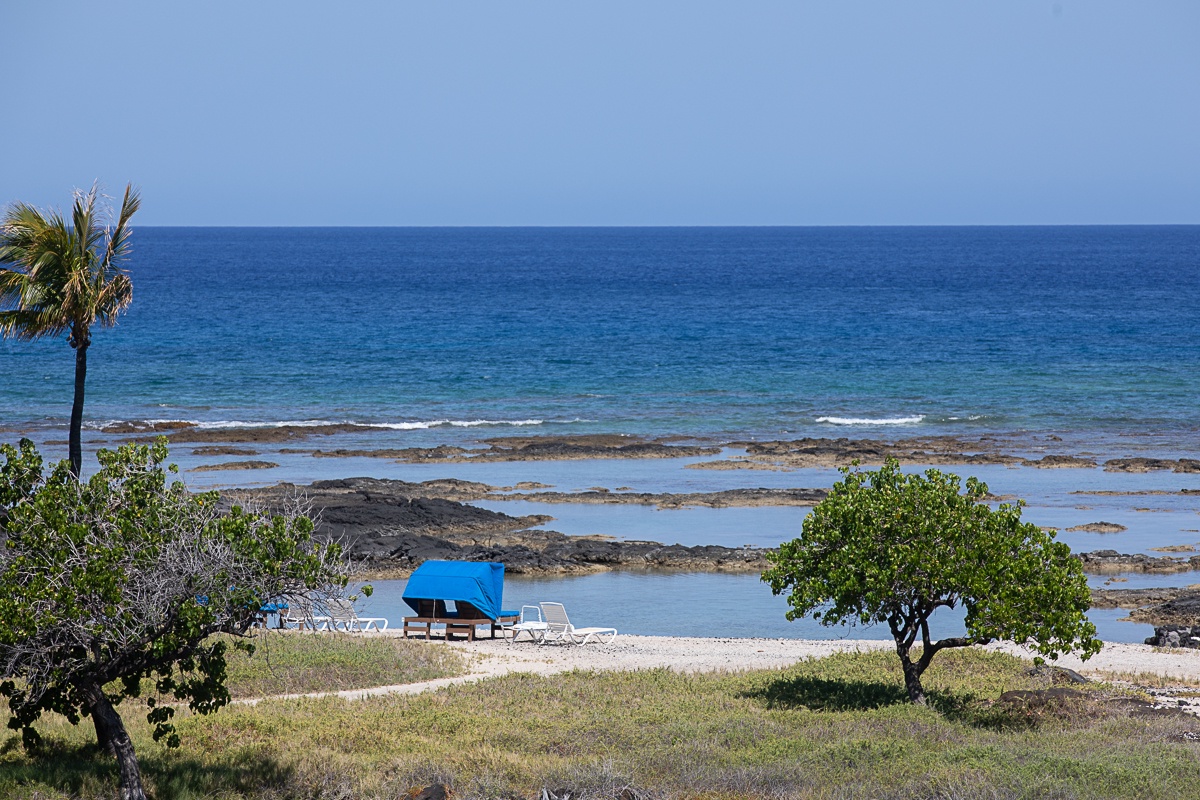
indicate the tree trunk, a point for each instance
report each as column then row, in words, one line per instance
column 104, row 736
column 912, row 676
column 75, row 446
column 109, row 721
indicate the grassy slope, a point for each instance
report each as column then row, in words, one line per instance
column 830, row 728
column 297, row 663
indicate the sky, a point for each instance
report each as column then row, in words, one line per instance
column 290, row 112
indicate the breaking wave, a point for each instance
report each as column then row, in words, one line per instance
column 912, row 420
column 222, row 424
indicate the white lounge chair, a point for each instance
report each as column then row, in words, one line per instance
column 300, row 614
column 344, row 618
column 530, row 621
column 559, row 628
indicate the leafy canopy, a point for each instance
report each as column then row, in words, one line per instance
column 120, row 581
column 886, row 547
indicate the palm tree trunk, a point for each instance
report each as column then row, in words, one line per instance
column 109, row 721
column 75, row 446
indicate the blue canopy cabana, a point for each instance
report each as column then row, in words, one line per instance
column 480, row 583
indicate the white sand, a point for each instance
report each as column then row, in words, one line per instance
column 707, row 655
column 491, row 658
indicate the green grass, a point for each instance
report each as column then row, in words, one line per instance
column 294, row 663
column 830, row 728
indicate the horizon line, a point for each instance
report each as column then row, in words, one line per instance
column 675, row 227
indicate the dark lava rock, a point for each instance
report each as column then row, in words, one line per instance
column 392, row 527
column 1107, row 562
column 360, row 507
column 1176, row 636
column 435, row 791
column 1099, row 527
column 722, row 499
column 445, row 488
column 1137, row 598
column 223, row 450
column 1139, row 464
column 1057, row 675
column 234, row 465
column 1060, row 462
column 1183, row 610
column 810, row 452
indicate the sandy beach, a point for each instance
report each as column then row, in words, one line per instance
column 691, row 654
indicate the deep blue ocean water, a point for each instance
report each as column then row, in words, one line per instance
column 731, row 332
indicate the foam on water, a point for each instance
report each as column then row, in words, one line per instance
column 233, row 424
column 912, row 420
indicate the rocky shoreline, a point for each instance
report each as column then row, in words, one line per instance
column 780, row 454
column 934, row 451
column 392, row 526
column 1110, row 562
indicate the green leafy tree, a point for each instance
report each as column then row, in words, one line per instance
column 885, row 547
column 59, row 276
column 114, row 586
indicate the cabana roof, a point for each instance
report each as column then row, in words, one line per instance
column 480, row 583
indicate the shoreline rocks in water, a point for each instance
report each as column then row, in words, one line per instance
column 1162, row 606
column 1133, row 599
column 223, row 450
column 809, row 452
column 1183, row 465
column 392, row 526
column 1099, row 527
column 742, row 498
column 468, row 491
column 536, row 448
column 1181, row 609
column 234, row 465
column 764, row 455
column 1108, row 562
column 933, row 451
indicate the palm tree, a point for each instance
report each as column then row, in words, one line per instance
column 64, row 277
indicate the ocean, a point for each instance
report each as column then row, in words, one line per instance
column 1085, row 332
column 1077, row 339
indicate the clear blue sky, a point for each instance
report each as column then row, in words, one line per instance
column 289, row 112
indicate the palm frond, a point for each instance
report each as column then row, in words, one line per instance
column 118, row 240
column 88, row 227
column 29, row 325
column 11, row 284
column 112, row 299
column 58, row 275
